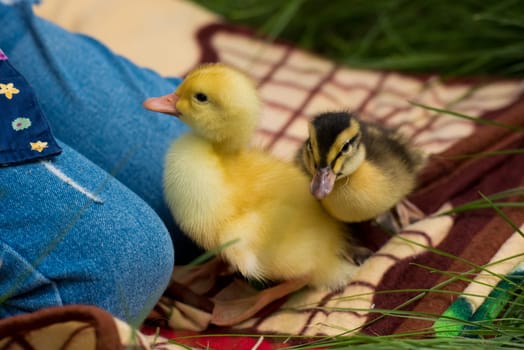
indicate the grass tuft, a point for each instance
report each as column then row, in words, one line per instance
column 451, row 38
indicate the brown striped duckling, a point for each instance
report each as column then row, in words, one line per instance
column 359, row 170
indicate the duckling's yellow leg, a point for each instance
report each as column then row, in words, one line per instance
column 244, row 251
column 334, row 274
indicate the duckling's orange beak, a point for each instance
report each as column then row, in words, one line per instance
column 323, row 182
column 163, row 104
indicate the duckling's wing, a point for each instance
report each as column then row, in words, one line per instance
column 383, row 144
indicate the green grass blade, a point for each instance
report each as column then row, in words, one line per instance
column 477, row 120
column 502, row 214
column 483, row 204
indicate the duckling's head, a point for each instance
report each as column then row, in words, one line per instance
column 218, row 102
column 333, row 150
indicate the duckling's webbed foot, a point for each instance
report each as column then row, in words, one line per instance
column 360, row 254
column 403, row 214
column 408, row 213
column 388, row 222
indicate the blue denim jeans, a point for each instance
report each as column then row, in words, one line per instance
column 89, row 226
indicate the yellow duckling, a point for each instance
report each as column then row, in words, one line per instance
column 359, row 170
column 222, row 191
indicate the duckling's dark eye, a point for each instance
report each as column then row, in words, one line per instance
column 349, row 143
column 346, row 147
column 201, row 97
column 308, row 145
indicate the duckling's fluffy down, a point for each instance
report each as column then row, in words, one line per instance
column 261, row 204
column 224, row 194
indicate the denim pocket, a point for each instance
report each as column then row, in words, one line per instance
column 24, row 131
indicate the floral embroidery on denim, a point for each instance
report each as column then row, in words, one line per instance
column 21, row 123
column 8, row 90
column 24, row 132
column 38, row 146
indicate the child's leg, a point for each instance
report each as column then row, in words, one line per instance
column 93, row 101
column 71, row 234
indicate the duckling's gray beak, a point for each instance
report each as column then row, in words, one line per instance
column 163, row 104
column 323, row 182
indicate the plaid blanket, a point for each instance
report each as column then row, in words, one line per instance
column 437, row 266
